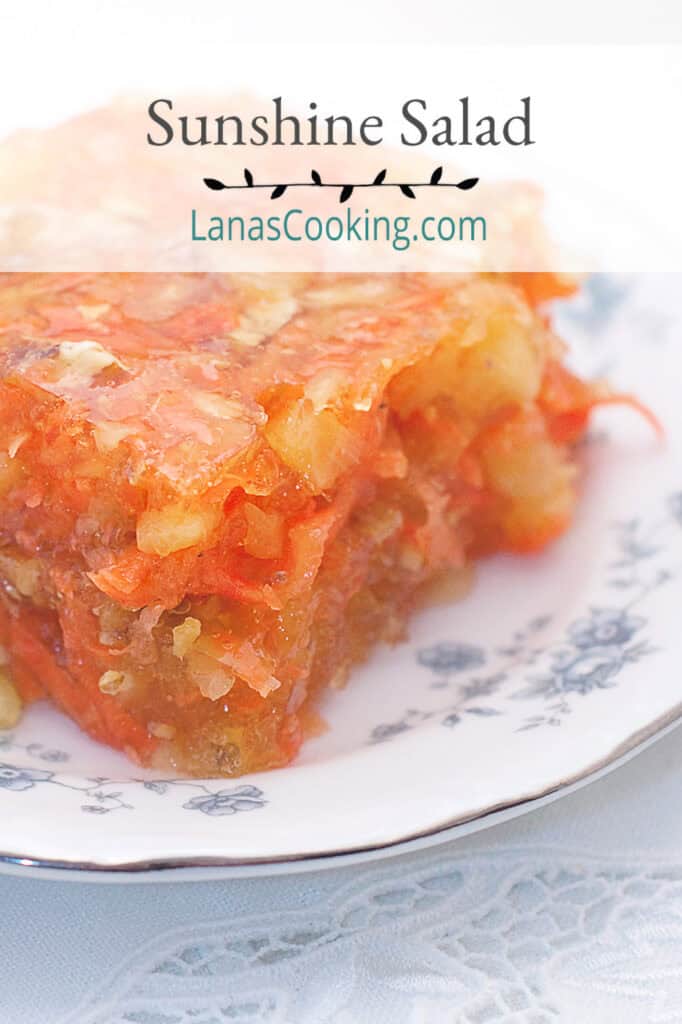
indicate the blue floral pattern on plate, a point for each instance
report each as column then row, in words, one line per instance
column 19, row 779
column 595, row 649
column 104, row 795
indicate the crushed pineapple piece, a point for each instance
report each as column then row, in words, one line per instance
column 16, row 443
column 411, row 558
column 23, row 573
column 109, row 435
column 494, row 360
column 85, row 359
column 213, row 679
column 264, row 533
column 536, row 479
column 502, row 368
column 318, row 446
column 264, row 318
column 217, row 405
column 94, row 311
column 355, row 291
column 175, row 527
column 11, row 473
column 326, row 388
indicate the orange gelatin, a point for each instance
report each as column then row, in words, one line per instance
column 219, row 492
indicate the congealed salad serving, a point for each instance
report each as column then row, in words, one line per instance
column 219, row 492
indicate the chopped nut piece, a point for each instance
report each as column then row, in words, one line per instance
column 161, row 731
column 112, row 682
column 184, row 636
column 10, row 703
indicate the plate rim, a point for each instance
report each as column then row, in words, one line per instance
column 214, row 868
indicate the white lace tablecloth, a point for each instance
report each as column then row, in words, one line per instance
column 572, row 913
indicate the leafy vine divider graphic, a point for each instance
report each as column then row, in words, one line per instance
column 347, row 189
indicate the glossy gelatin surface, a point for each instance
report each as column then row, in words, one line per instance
column 218, row 492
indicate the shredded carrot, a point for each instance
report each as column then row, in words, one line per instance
column 567, row 402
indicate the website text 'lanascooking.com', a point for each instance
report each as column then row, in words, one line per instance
column 297, row 226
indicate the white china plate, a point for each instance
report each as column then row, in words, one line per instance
column 554, row 669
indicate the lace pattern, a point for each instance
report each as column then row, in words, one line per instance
column 514, row 936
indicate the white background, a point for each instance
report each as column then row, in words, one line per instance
column 605, row 117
